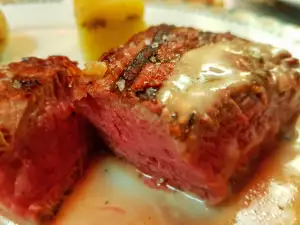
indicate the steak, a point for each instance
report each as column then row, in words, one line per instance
column 192, row 109
column 44, row 144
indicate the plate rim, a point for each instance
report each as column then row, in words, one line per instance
column 240, row 19
column 65, row 8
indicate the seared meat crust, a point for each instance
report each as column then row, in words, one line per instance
column 204, row 153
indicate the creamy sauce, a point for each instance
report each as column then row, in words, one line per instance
column 202, row 76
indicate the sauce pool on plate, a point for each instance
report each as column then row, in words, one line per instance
column 114, row 192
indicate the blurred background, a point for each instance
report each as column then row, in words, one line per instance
column 287, row 11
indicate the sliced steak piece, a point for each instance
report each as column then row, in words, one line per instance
column 43, row 142
column 192, row 108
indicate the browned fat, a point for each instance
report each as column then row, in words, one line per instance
column 203, row 75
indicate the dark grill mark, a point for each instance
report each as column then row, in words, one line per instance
column 192, row 119
column 149, row 94
column 29, row 83
column 6, row 136
column 24, row 59
column 26, row 84
column 132, row 17
column 186, row 127
column 95, row 23
column 145, row 55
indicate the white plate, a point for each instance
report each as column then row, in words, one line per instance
column 47, row 29
column 113, row 194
